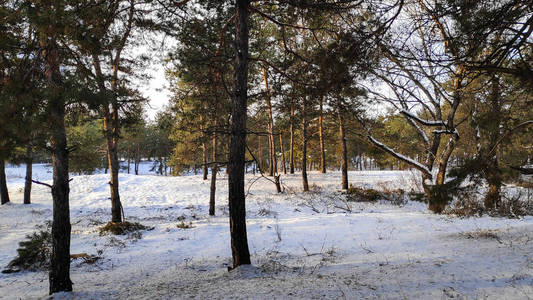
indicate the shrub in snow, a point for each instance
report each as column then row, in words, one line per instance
column 362, row 195
column 183, row 225
column 33, row 253
column 121, row 228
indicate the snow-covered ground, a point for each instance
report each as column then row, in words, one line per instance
column 310, row 245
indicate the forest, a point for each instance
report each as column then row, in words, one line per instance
column 280, row 112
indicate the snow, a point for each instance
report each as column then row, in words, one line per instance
column 303, row 245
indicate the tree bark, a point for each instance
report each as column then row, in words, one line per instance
column 204, row 152
column 344, row 162
column 260, row 159
column 111, row 129
column 305, row 183
column 291, row 140
column 4, row 194
column 321, row 137
column 272, row 168
column 282, row 153
column 214, row 169
column 29, row 171
column 236, row 197
column 59, row 274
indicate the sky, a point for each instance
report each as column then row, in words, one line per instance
column 156, row 90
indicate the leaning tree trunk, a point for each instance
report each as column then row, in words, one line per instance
column 4, row 194
column 305, row 183
column 111, row 128
column 291, row 140
column 344, row 162
column 236, row 197
column 321, row 137
column 59, row 274
column 29, row 171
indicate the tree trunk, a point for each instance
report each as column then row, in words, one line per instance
column 227, row 153
column 304, row 145
column 137, row 160
column 321, row 137
column 282, row 153
column 260, row 159
column 291, row 131
column 4, row 194
column 214, row 168
column 59, row 274
column 111, row 130
column 29, row 171
column 129, row 163
column 344, row 164
column 236, row 197
column 271, row 141
column 204, row 155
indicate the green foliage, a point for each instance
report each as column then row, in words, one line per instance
column 33, row 253
column 122, row 228
column 89, row 147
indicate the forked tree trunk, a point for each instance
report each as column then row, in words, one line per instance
column 29, row 171
column 4, row 194
column 59, row 274
column 236, row 197
column 344, row 161
column 321, row 138
column 291, row 140
column 305, row 183
column 283, row 164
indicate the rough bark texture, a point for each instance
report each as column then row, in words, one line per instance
column 29, row 171
column 344, row 161
column 305, row 183
column 321, row 138
column 59, row 275
column 4, row 194
column 291, row 140
column 236, row 198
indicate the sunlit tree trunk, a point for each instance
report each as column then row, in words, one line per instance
column 291, row 140
column 283, row 164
